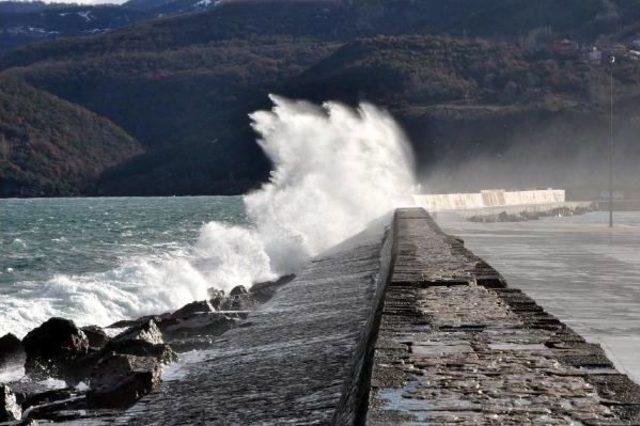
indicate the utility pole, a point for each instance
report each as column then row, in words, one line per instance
column 612, row 62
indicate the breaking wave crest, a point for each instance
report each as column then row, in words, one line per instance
column 335, row 169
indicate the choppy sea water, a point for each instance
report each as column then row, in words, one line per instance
column 90, row 259
column 96, row 260
column 575, row 267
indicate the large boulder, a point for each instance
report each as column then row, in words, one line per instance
column 142, row 340
column 161, row 352
column 242, row 299
column 45, row 397
column 139, row 321
column 216, row 297
column 202, row 306
column 11, row 351
column 198, row 330
column 38, row 402
column 147, row 332
column 238, row 290
column 196, row 324
column 96, row 335
column 239, row 299
column 264, row 291
column 120, row 380
column 10, row 410
column 53, row 347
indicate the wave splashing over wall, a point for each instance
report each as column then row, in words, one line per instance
column 335, row 169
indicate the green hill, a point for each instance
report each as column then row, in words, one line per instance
column 51, row 147
column 584, row 20
column 183, row 86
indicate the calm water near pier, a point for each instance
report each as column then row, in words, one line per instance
column 575, row 267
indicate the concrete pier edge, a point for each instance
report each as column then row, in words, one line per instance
column 404, row 316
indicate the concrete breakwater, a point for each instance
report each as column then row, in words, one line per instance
column 399, row 324
column 456, row 345
column 492, row 198
column 300, row 358
column 498, row 205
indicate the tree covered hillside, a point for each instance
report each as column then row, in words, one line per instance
column 467, row 79
column 51, row 147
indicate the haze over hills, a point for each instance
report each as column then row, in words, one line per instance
column 474, row 83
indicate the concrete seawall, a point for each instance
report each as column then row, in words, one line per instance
column 302, row 358
column 488, row 199
column 455, row 345
column 399, row 324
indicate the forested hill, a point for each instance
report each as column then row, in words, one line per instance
column 51, row 147
column 470, row 80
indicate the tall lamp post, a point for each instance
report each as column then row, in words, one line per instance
column 612, row 61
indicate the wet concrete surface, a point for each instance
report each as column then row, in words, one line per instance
column 450, row 351
column 399, row 325
column 577, row 268
column 296, row 360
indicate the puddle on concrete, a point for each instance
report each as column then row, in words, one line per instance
column 439, row 350
column 517, row 347
column 402, row 400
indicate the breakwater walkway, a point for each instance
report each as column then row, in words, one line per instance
column 399, row 325
column 455, row 345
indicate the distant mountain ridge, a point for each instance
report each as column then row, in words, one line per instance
column 467, row 79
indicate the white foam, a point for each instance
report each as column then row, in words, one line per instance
column 335, row 170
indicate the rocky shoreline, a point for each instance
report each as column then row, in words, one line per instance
column 110, row 368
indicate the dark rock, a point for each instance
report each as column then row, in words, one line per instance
column 193, row 308
column 139, row 321
column 143, row 340
column 238, row 290
column 147, row 331
column 243, row 302
column 264, row 291
column 198, row 330
column 216, row 297
column 11, row 351
column 162, row 352
column 53, row 347
column 120, row 380
column 9, row 408
column 24, row 389
column 96, row 335
column 63, row 411
column 46, row 397
column 239, row 299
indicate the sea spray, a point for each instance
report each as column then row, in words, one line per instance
column 335, row 169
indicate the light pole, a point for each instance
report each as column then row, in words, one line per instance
column 612, row 62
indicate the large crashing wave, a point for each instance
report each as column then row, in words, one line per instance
column 335, row 169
